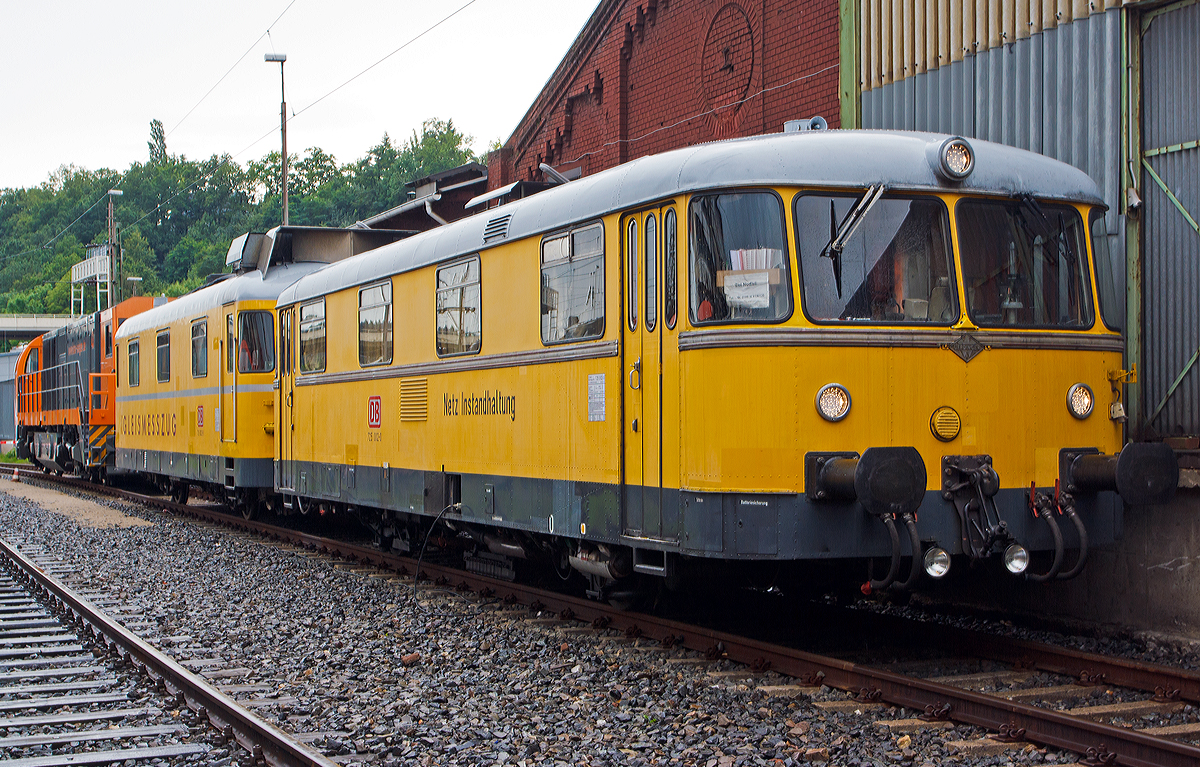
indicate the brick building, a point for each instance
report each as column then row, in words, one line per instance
column 645, row 76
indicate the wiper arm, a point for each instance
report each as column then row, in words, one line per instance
column 840, row 234
column 1031, row 203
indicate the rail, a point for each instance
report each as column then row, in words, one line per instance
column 1112, row 744
column 263, row 740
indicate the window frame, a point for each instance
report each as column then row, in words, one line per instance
column 437, row 291
column 270, row 336
column 670, row 271
column 200, row 323
column 633, row 297
column 1088, row 292
column 389, row 342
column 950, row 244
column 324, row 337
column 787, row 257
column 133, row 361
column 650, row 271
column 602, row 257
column 1098, row 215
column 160, row 357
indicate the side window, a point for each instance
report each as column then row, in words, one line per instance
column 375, row 325
column 459, row 325
column 631, row 248
column 200, row 349
column 135, row 371
column 651, row 273
column 164, row 356
column 108, row 347
column 737, row 259
column 312, row 337
column 572, row 291
column 670, row 267
column 230, row 343
column 256, row 342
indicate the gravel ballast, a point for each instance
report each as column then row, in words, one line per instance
column 352, row 663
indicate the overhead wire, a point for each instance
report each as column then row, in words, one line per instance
column 257, row 40
column 117, row 185
column 254, row 143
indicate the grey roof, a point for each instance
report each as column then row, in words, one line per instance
column 250, row 286
column 853, row 159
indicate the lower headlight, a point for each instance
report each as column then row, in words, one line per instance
column 1080, row 400
column 833, row 402
column 937, row 562
column 1016, row 558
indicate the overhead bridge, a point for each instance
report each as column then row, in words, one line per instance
column 26, row 327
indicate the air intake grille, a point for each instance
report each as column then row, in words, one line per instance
column 414, row 399
column 497, row 228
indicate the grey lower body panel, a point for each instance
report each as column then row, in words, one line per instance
column 212, row 469
column 763, row 526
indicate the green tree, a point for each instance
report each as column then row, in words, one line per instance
column 157, row 143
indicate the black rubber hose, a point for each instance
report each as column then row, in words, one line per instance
column 1083, row 545
column 894, row 570
column 914, row 541
column 1058, row 549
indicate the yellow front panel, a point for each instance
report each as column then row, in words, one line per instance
column 749, row 414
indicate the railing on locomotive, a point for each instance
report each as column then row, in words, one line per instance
column 52, row 389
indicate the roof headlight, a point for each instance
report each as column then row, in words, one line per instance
column 1080, row 400
column 833, row 402
column 937, row 562
column 1016, row 558
column 957, row 158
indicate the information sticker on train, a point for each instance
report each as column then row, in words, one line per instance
column 374, row 412
column 200, row 416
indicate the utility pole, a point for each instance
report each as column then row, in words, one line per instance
column 282, row 57
column 112, row 245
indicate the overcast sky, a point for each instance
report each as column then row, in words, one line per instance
column 82, row 80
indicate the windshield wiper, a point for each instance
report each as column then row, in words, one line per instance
column 840, row 234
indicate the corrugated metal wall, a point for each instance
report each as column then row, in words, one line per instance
column 1171, row 280
column 1056, row 91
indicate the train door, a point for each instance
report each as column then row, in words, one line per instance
column 643, row 331
column 286, row 430
column 228, row 368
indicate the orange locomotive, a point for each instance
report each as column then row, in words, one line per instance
column 66, row 393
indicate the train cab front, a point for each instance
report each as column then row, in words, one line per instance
column 976, row 519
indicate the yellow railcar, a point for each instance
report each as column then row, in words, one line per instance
column 826, row 346
column 196, row 377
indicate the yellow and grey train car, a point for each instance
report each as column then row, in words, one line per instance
column 196, row 377
column 821, row 346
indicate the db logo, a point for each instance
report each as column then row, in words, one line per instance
column 374, row 412
column 200, row 417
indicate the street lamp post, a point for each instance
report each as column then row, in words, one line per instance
column 271, row 58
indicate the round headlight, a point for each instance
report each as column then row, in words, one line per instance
column 1080, row 400
column 945, row 423
column 1016, row 558
column 937, row 562
column 833, row 402
column 957, row 159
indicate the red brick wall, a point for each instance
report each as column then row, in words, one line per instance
column 648, row 76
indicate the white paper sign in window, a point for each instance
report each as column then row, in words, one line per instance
column 749, row 290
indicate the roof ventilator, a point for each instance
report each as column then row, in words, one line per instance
column 497, row 228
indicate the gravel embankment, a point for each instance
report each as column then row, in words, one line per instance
column 379, row 679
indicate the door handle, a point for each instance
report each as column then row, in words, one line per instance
column 636, row 368
column 289, row 399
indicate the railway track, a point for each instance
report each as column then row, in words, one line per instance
column 1022, row 691
column 78, row 688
